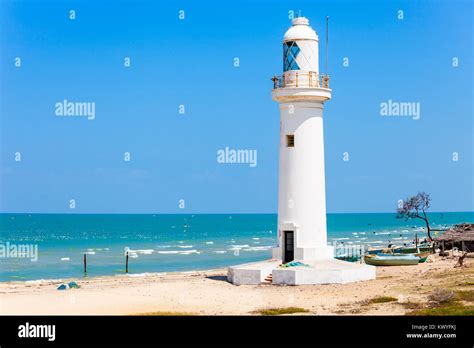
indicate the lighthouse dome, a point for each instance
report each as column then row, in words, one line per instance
column 300, row 30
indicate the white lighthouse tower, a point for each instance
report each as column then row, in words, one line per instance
column 301, row 92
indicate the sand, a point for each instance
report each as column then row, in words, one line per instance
column 208, row 293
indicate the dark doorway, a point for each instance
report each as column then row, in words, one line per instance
column 289, row 244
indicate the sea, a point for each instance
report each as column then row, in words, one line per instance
column 158, row 243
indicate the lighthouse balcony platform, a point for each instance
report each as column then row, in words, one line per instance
column 294, row 86
column 301, row 79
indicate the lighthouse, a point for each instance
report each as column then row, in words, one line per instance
column 301, row 91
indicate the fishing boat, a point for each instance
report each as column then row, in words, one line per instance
column 412, row 249
column 391, row 260
column 423, row 255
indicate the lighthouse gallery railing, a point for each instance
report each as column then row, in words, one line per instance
column 308, row 79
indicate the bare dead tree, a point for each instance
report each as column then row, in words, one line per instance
column 415, row 207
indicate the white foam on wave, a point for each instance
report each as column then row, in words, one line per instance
column 382, row 233
column 89, row 252
column 180, row 252
column 139, row 251
column 220, row 251
column 210, row 242
column 255, row 238
column 65, row 258
column 340, row 238
column 43, row 281
column 185, row 246
column 145, row 274
column 188, row 252
column 258, row 248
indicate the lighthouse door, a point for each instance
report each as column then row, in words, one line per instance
column 289, row 252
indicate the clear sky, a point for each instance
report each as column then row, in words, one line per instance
column 190, row 62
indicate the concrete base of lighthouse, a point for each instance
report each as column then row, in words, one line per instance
column 320, row 271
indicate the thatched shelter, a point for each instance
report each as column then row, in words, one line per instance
column 460, row 236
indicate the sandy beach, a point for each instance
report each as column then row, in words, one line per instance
column 208, row 293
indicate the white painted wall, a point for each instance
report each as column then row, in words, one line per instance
column 302, row 194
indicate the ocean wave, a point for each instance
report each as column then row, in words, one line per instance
column 220, row 251
column 210, row 242
column 65, row 258
column 145, row 274
column 239, row 246
column 259, row 248
column 139, row 251
column 180, row 252
column 43, row 281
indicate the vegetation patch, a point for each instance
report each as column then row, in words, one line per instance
column 411, row 305
column 281, row 311
column 451, row 309
column 465, row 295
column 442, row 296
column 381, row 299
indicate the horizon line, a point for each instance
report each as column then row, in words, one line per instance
column 194, row 213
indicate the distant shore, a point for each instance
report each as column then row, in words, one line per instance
column 396, row 291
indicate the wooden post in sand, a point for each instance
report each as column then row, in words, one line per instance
column 416, row 241
column 85, row 263
column 126, row 263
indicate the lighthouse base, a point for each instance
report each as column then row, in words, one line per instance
column 328, row 271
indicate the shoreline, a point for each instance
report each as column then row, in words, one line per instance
column 209, row 293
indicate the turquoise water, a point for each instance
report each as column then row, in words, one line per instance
column 164, row 243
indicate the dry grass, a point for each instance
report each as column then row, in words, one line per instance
column 381, row 299
column 442, row 296
column 455, row 308
column 282, row 311
column 465, row 295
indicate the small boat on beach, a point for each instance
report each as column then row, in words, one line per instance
column 391, row 260
column 423, row 256
column 401, row 249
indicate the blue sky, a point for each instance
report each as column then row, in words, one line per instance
column 191, row 62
